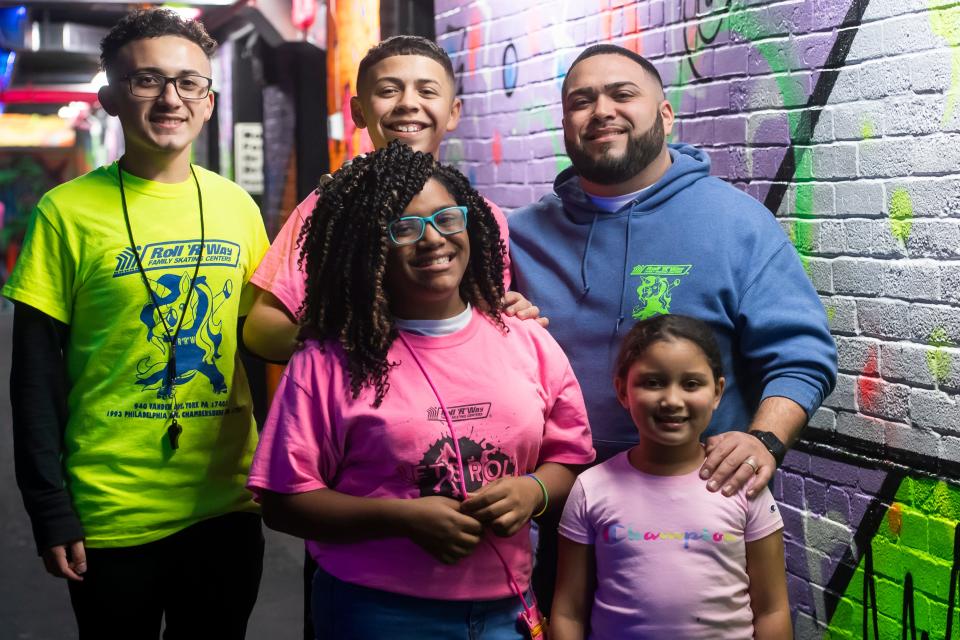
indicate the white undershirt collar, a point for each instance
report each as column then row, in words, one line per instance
column 614, row 203
column 436, row 328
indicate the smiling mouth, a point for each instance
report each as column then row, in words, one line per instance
column 412, row 127
column 604, row 133
column 436, row 261
column 166, row 121
column 670, row 421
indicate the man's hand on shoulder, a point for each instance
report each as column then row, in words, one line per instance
column 734, row 460
column 514, row 304
column 66, row 560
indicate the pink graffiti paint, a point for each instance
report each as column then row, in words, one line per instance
column 496, row 149
column 474, row 38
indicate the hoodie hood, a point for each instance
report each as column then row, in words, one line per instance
column 688, row 164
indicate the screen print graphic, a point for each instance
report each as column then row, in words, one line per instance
column 656, row 288
column 200, row 337
column 437, row 473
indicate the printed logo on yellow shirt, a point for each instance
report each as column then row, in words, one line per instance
column 199, row 341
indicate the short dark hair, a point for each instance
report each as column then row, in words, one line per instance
column 664, row 328
column 404, row 46
column 605, row 49
column 151, row 23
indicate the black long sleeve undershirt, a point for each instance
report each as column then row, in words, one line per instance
column 38, row 393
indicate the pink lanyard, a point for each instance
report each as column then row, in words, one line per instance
column 531, row 614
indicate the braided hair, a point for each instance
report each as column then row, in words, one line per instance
column 343, row 251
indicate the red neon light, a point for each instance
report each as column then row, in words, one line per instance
column 46, row 96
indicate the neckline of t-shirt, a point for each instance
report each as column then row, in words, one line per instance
column 654, row 477
column 152, row 188
column 449, row 340
column 436, row 328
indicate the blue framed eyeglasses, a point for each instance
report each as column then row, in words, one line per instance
column 409, row 229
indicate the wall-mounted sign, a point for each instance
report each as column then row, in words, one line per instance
column 248, row 156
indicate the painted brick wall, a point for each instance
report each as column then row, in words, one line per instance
column 842, row 116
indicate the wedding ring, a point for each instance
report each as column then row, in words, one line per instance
column 752, row 464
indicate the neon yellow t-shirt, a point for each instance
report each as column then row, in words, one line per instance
column 128, row 485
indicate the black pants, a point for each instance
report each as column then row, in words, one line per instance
column 203, row 580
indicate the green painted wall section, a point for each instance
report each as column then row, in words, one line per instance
column 916, row 537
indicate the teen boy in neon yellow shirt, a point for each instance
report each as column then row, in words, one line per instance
column 129, row 288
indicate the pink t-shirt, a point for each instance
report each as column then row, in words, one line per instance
column 671, row 556
column 279, row 274
column 515, row 404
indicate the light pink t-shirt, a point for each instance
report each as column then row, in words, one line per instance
column 671, row 556
column 279, row 273
column 515, row 404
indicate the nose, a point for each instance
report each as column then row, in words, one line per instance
column 431, row 236
column 603, row 108
column 169, row 94
column 408, row 100
column 671, row 397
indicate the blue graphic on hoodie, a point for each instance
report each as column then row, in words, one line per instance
column 689, row 244
column 198, row 344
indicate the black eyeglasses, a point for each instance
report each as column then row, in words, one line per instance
column 152, row 85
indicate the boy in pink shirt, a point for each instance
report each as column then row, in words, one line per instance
column 406, row 92
column 419, row 429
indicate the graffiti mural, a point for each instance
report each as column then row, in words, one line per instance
column 841, row 117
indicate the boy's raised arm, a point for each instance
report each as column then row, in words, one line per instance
column 269, row 331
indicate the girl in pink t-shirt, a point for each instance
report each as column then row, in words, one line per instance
column 418, row 430
column 645, row 550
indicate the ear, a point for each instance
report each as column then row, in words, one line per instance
column 666, row 112
column 721, row 385
column 356, row 112
column 108, row 99
column 210, row 103
column 455, row 109
column 620, row 384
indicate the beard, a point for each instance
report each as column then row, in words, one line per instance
column 605, row 169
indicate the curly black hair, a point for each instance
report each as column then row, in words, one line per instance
column 151, row 23
column 344, row 246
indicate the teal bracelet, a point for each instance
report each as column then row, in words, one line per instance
column 546, row 496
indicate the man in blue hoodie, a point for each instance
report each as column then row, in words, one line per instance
column 637, row 227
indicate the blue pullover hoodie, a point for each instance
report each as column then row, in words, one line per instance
column 690, row 244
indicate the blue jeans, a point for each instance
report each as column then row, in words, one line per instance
column 345, row 611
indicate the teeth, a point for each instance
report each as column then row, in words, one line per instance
column 441, row 260
column 408, row 128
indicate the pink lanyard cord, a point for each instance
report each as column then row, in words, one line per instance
column 463, row 485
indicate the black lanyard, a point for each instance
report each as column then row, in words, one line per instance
column 174, row 430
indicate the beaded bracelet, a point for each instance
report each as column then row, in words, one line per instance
column 546, row 496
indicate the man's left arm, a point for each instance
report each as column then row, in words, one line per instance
column 786, row 345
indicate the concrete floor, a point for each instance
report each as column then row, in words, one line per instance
column 35, row 606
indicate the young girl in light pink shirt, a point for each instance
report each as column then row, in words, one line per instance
column 418, row 430
column 645, row 550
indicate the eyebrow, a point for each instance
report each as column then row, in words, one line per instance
column 396, row 80
column 159, row 71
column 607, row 88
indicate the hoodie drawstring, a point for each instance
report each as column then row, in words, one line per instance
column 623, row 274
column 583, row 258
